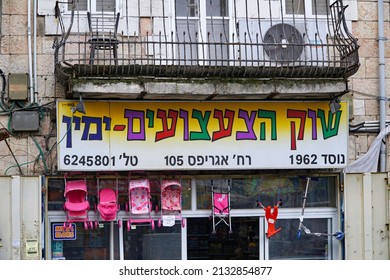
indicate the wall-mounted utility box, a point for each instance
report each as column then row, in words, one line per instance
column 25, row 121
column 18, row 86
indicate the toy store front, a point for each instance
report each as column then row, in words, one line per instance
column 198, row 233
column 180, row 180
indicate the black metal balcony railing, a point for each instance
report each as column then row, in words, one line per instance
column 243, row 44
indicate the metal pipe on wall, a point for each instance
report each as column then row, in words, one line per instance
column 382, row 86
column 30, row 67
column 35, row 98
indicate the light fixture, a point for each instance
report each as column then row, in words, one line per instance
column 4, row 135
column 80, row 107
column 334, row 105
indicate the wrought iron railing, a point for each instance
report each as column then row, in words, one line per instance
column 244, row 40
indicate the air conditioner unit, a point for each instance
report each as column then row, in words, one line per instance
column 281, row 43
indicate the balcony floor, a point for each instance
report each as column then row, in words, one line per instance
column 211, row 88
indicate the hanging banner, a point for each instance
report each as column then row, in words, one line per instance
column 115, row 136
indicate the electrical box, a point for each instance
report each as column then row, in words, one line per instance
column 25, row 121
column 18, row 86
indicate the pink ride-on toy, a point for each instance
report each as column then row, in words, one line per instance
column 140, row 205
column 171, row 203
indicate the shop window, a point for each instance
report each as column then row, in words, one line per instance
column 242, row 243
column 143, row 243
column 155, row 193
column 186, row 194
column 246, row 192
column 56, row 187
column 87, row 245
column 286, row 244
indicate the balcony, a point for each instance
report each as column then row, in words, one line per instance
column 226, row 50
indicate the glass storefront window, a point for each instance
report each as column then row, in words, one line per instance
column 242, row 243
column 88, row 244
column 56, row 187
column 246, row 192
column 287, row 245
column 143, row 243
column 185, row 195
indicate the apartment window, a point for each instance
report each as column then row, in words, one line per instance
column 190, row 8
column 320, row 7
column 94, row 5
column 199, row 22
column 217, row 8
column 311, row 7
column 187, row 8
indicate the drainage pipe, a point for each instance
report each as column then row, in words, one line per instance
column 30, row 71
column 382, row 86
column 35, row 53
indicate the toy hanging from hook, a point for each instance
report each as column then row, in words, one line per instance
column 271, row 213
column 302, row 228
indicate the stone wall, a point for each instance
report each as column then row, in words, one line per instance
column 364, row 84
column 33, row 152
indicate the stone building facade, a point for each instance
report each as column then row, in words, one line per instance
column 35, row 152
column 48, row 71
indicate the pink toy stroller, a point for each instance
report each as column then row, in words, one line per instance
column 171, row 204
column 76, row 203
column 139, row 203
column 108, row 205
column 221, row 205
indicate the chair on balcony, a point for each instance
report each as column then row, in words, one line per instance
column 103, row 30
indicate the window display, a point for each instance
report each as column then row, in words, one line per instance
column 191, row 233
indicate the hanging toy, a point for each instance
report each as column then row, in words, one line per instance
column 271, row 213
column 339, row 235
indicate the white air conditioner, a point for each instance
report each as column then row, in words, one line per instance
column 286, row 42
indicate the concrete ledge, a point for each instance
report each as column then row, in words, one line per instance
column 207, row 89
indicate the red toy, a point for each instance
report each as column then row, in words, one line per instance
column 271, row 214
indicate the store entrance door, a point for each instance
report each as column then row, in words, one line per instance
column 242, row 243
